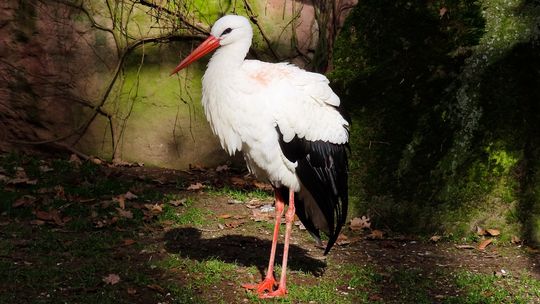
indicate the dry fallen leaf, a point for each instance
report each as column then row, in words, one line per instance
column 262, row 186
column 237, row 181
column 156, row 288
column 222, row 168
column 124, row 213
column 375, row 298
column 19, row 181
column 359, row 223
column 483, row 244
column 131, row 291
column 45, row 168
column 196, row 186
column 259, row 216
column 480, row 231
column 255, row 203
column 128, row 242
column 59, row 192
column 224, row 216
column 111, row 279
column 342, row 240
column 25, row 200
column 197, row 167
column 121, row 200
column 154, row 208
column 37, row 222
column 180, row 202
column 234, row 224
column 130, row 196
column 435, row 238
column 516, row 240
column 493, row 232
column 75, row 160
column 442, row 11
column 376, row 235
column 300, row 225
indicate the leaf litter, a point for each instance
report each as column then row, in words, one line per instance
column 358, row 226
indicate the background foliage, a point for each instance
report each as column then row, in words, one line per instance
column 444, row 96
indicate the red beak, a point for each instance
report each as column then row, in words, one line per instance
column 210, row 44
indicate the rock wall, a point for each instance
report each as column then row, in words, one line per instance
column 95, row 76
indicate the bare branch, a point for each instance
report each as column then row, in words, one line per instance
column 255, row 21
column 199, row 28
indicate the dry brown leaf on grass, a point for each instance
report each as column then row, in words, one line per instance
column 111, row 279
column 117, row 162
column 255, row 203
column 516, row 240
column 75, row 160
column 435, row 238
column 480, row 231
column 130, row 196
column 156, row 287
column 442, row 11
column 343, row 240
column 237, row 181
column 18, row 181
column 124, row 213
column 224, row 216
column 197, row 167
column 359, row 223
column 128, row 242
column 234, row 224
column 300, row 225
column 196, row 186
column 259, row 216
column 52, row 216
column 25, row 200
column 180, row 202
column 487, row 232
column 375, row 235
column 262, row 186
column 483, row 244
column 121, row 200
column 222, row 168
column 59, row 192
column 37, row 222
column 154, row 208
column 493, row 232
column 45, row 169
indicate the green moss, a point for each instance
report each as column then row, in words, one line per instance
column 444, row 114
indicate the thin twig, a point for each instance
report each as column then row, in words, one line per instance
column 255, row 21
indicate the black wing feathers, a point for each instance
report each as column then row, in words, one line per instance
column 322, row 169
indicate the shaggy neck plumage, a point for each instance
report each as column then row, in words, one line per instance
column 229, row 56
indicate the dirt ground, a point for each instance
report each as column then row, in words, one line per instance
column 236, row 233
column 248, row 245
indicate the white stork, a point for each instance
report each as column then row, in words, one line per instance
column 288, row 124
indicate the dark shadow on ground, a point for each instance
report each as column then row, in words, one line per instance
column 242, row 250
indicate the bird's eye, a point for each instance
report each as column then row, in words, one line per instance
column 226, row 31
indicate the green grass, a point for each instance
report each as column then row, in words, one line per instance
column 488, row 288
column 188, row 215
column 240, row 195
column 50, row 263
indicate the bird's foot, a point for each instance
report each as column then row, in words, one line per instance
column 266, row 285
column 278, row 293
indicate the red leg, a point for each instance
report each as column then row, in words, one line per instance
column 268, row 283
column 289, row 218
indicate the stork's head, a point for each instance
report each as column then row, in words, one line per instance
column 227, row 30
